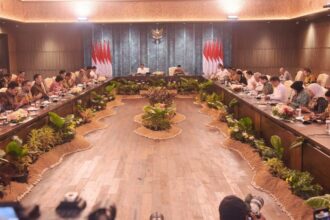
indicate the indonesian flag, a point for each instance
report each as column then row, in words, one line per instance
column 212, row 56
column 101, row 58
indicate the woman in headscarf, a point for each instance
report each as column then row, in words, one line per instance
column 318, row 103
column 301, row 96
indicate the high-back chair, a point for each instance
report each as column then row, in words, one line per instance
column 300, row 76
column 324, row 80
column 289, row 91
column 171, row 70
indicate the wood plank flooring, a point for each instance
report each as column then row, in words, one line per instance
column 183, row 178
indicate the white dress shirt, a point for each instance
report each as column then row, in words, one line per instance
column 279, row 94
column 142, row 71
column 251, row 82
column 93, row 74
column 222, row 74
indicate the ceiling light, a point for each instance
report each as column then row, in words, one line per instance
column 82, row 9
column 232, row 17
column 231, row 6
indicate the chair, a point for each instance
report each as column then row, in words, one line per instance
column 289, row 92
column 3, row 89
column 268, row 77
column 323, row 80
column 13, row 77
column 300, row 76
column 48, row 82
column 171, row 71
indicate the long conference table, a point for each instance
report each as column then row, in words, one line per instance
column 312, row 156
column 63, row 107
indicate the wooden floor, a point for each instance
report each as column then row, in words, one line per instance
column 183, row 178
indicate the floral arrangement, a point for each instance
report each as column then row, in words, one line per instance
column 99, row 102
column 283, row 111
column 157, row 117
column 76, row 90
column 17, row 116
column 160, row 95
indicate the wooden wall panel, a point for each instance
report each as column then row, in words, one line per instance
column 314, row 46
column 45, row 49
column 4, row 28
column 265, row 47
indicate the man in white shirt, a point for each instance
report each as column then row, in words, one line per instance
column 142, row 70
column 279, row 90
column 222, row 73
column 92, row 73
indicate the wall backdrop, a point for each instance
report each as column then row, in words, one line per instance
column 132, row 44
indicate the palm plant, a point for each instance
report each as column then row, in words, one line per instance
column 157, row 117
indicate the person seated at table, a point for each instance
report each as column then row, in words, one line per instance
column 39, row 90
column 267, row 86
column 258, row 85
column 309, row 76
column 250, row 80
column 142, row 69
column 318, row 103
column 82, row 77
column 20, row 78
column 301, row 97
column 239, row 77
column 326, row 114
column 7, row 78
column 279, row 90
column 25, row 96
column 9, row 99
column 284, row 75
column 57, row 85
column 68, row 82
column 222, row 73
column 179, row 70
column 62, row 73
column 92, row 73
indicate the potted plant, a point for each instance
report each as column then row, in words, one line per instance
column 157, row 117
column 64, row 127
column 17, row 155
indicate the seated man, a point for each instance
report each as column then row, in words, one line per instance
column 39, row 90
column 309, row 76
column 57, row 85
column 179, row 70
column 62, row 73
column 222, row 73
column 20, row 78
column 279, row 93
column 326, row 114
column 92, row 73
column 9, row 98
column 82, row 77
column 142, row 70
column 284, row 75
column 25, row 95
column 68, row 82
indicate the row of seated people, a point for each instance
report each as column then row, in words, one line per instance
column 306, row 92
column 178, row 70
column 17, row 91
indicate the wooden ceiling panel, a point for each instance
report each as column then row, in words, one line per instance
column 154, row 10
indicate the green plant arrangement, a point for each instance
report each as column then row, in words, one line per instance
column 160, row 95
column 98, row 102
column 319, row 202
column 172, row 85
column 128, row 87
column 17, row 155
column 301, row 184
column 187, row 85
column 84, row 114
column 109, row 91
column 41, row 140
column 64, row 127
column 157, row 117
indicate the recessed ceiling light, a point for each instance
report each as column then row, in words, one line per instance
column 232, row 17
column 82, row 18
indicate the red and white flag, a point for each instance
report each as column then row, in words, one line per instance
column 101, row 58
column 212, row 56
